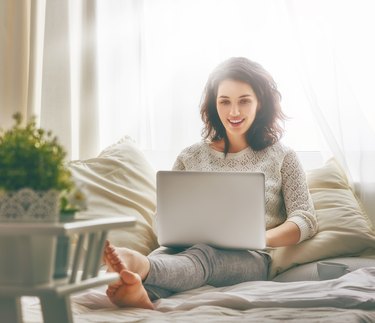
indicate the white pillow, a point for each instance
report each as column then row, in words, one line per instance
column 344, row 228
column 120, row 181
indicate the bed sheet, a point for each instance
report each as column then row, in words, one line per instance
column 349, row 298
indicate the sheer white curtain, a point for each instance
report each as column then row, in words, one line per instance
column 94, row 71
column 155, row 57
column 35, row 64
column 336, row 65
column 21, row 48
column 48, row 69
column 69, row 104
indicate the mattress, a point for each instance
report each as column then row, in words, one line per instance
column 348, row 298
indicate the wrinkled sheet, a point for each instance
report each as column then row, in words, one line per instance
column 349, row 298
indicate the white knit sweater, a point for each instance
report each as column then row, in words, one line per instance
column 287, row 196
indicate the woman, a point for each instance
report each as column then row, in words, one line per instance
column 241, row 113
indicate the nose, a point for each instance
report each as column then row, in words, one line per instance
column 234, row 111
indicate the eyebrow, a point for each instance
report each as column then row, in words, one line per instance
column 242, row 96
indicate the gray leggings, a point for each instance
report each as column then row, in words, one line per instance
column 177, row 270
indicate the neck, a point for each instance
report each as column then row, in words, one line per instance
column 236, row 148
column 236, row 144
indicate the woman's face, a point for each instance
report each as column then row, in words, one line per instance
column 236, row 105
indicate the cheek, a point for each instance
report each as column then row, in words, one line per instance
column 251, row 111
column 221, row 113
column 255, row 109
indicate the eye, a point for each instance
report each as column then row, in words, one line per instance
column 224, row 102
column 245, row 101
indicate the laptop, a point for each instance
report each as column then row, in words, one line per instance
column 222, row 209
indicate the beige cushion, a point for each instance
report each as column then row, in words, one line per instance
column 120, row 181
column 344, row 228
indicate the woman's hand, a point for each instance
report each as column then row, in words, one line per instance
column 285, row 234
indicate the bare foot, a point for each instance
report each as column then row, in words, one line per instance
column 130, row 259
column 129, row 290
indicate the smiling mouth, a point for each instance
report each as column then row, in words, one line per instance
column 236, row 122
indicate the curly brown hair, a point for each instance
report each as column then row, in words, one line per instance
column 266, row 129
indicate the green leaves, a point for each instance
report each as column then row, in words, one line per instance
column 31, row 157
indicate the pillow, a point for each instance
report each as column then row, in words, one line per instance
column 344, row 228
column 120, row 181
column 309, row 271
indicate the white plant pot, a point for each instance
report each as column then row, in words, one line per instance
column 27, row 205
column 27, row 259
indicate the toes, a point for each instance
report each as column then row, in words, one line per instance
column 118, row 266
column 108, row 248
column 115, row 262
column 109, row 251
column 110, row 292
column 114, row 258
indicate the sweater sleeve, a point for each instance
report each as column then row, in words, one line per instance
column 297, row 199
column 178, row 164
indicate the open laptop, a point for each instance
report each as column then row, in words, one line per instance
column 222, row 209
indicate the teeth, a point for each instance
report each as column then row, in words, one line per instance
column 235, row 121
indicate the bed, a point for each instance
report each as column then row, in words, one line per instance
column 121, row 181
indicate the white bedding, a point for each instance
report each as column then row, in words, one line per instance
column 350, row 298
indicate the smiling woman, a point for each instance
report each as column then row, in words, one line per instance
column 246, row 128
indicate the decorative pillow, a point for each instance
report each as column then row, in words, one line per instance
column 120, row 181
column 344, row 228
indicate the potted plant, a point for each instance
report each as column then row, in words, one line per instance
column 31, row 162
column 33, row 185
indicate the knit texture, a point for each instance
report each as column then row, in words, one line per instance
column 287, row 195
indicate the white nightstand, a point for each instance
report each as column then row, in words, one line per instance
column 83, row 273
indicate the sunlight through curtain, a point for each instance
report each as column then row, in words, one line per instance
column 94, row 71
column 155, row 57
column 21, row 55
column 336, row 67
column 48, row 69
